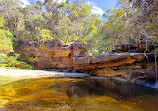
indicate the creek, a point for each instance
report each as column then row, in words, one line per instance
column 77, row 94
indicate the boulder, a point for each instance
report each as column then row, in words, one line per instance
column 107, row 60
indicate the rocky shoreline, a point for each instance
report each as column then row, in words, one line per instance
column 137, row 68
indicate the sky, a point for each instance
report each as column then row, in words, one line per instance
column 99, row 6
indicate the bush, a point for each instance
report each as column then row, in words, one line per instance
column 1, row 59
column 31, row 58
column 12, row 61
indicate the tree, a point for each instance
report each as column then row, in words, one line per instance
column 68, row 21
column 6, row 44
column 144, row 19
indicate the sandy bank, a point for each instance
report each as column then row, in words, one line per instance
column 24, row 74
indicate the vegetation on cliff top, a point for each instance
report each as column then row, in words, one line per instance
column 131, row 21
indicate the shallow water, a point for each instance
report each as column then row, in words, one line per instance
column 63, row 94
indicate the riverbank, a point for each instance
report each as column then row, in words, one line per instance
column 10, row 75
column 26, row 74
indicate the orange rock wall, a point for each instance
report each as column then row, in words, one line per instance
column 53, row 58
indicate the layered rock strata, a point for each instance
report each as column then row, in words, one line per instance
column 51, row 54
column 131, row 67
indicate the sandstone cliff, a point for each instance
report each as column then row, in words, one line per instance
column 49, row 54
column 132, row 67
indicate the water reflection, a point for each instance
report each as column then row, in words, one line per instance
column 63, row 94
column 122, row 90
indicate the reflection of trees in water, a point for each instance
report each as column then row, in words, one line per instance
column 81, row 88
column 105, row 87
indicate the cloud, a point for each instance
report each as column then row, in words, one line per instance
column 59, row 1
column 26, row 2
column 95, row 9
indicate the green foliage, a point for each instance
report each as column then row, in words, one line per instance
column 6, row 47
column 1, row 23
column 31, row 58
column 2, row 60
column 92, row 29
column 5, row 38
column 16, row 45
column 68, row 21
column 12, row 61
column 72, row 20
column 45, row 34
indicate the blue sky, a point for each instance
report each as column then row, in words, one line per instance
column 99, row 6
column 104, row 4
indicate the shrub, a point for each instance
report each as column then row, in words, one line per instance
column 12, row 61
column 31, row 58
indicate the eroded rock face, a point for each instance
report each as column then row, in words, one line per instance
column 49, row 54
column 131, row 67
column 107, row 60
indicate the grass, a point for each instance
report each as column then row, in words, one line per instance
column 6, row 80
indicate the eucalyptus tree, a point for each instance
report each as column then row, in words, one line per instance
column 147, row 21
column 68, row 21
column 10, row 10
column 6, row 38
column 144, row 16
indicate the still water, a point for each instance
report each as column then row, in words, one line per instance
column 66, row 94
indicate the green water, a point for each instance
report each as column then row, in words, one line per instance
column 63, row 94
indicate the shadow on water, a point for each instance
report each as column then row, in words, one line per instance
column 65, row 94
column 121, row 90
